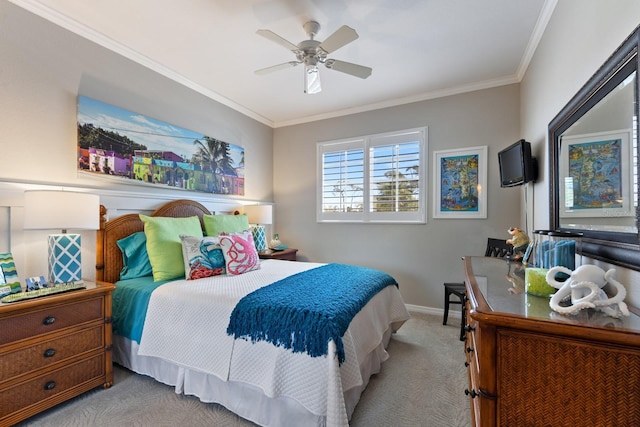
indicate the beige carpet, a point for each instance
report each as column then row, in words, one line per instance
column 422, row 384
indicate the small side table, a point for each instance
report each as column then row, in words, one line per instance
column 288, row 254
column 53, row 348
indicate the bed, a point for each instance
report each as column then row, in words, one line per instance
column 182, row 335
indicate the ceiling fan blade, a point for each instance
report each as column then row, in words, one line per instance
column 268, row 34
column 343, row 35
column 276, row 67
column 349, row 68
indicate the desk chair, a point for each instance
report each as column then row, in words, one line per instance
column 495, row 248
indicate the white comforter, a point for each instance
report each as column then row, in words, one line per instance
column 186, row 325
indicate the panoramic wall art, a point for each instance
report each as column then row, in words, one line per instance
column 460, row 181
column 120, row 144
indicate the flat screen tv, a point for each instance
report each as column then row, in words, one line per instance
column 517, row 166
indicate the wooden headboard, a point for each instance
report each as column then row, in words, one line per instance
column 108, row 255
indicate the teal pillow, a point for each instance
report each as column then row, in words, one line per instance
column 216, row 224
column 164, row 245
column 135, row 259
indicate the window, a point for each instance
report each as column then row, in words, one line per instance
column 377, row 178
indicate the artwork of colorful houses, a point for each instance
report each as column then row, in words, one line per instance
column 204, row 164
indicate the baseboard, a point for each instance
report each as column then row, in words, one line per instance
column 453, row 313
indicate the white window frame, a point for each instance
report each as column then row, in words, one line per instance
column 365, row 143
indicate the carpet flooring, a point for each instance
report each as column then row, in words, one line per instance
column 422, row 384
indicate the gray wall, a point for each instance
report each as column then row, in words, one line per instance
column 420, row 257
column 43, row 69
column 579, row 38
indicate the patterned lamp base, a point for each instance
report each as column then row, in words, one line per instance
column 259, row 237
column 65, row 264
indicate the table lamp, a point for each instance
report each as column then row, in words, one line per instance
column 63, row 210
column 259, row 215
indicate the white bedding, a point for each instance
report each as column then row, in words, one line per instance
column 190, row 349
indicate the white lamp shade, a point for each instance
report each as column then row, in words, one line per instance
column 61, row 210
column 259, row 214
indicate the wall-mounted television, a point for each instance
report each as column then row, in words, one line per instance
column 517, row 166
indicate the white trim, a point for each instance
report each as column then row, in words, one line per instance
column 453, row 314
column 67, row 23
column 90, row 34
column 365, row 144
column 541, row 25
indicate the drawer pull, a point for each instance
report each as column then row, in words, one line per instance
column 466, row 364
column 469, row 328
column 50, row 385
column 50, row 352
column 469, row 349
column 471, row 393
column 49, row 320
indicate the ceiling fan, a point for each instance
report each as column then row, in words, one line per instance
column 312, row 52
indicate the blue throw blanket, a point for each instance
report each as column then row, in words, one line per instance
column 305, row 311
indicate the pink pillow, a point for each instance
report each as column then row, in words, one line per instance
column 239, row 252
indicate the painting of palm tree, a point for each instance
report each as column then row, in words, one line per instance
column 214, row 156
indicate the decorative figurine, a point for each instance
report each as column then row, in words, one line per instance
column 584, row 289
column 519, row 240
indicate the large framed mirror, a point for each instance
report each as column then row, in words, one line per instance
column 594, row 161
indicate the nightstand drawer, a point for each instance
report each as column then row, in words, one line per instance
column 50, row 384
column 35, row 322
column 46, row 353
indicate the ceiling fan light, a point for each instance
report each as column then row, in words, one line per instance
column 311, row 79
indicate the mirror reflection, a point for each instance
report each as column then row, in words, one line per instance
column 593, row 159
column 597, row 178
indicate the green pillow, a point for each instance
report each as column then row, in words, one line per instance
column 164, row 245
column 216, row 224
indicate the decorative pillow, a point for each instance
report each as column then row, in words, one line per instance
column 135, row 259
column 164, row 245
column 216, row 224
column 239, row 252
column 202, row 257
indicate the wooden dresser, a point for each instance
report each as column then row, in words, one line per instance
column 530, row 366
column 53, row 348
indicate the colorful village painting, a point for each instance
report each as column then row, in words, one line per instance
column 119, row 143
column 595, row 170
column 459, row 183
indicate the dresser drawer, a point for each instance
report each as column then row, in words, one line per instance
column 48, row 352
column 50, row 384
column 52, row 318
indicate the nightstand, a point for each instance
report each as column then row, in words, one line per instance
column 53, row 348
column 288, row 254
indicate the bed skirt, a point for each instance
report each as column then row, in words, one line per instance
column 243, row 399
column 249, row 401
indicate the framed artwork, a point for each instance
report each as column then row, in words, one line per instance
column 9, row 273
column 128, row 147
column 460, row 181
column 596, row 175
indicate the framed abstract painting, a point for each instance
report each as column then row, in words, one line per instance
column 460, row 180
column 596, row 177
